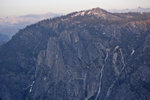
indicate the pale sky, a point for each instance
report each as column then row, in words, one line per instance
column 23, row 7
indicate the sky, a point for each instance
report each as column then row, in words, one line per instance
column 23, row 7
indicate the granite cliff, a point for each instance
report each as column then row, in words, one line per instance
column 86, row 55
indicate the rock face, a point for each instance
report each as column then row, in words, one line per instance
column 80, row 56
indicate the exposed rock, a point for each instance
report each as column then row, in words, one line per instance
column 70, row 58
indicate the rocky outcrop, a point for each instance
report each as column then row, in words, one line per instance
column 78, row 57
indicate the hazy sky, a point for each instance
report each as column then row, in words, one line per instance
column 23, row 7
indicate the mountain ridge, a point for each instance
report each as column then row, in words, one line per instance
column 78, row 58
column 139, row 9
column 11, row 24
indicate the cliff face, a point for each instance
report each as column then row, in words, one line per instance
column 80, row 56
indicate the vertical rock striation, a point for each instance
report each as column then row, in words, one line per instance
column 87, row 55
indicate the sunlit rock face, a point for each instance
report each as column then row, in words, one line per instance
column 79, row 57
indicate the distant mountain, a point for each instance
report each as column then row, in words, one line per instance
column 86, row 55
column 139, row 9
column 3, row 39
column 10, row 25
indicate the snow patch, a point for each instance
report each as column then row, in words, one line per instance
column 133, row 51
column 82, row 13
column 103, row 33
column 31, row 86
